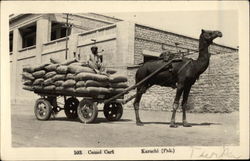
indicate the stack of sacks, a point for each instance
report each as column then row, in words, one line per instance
column 92, row 84
column 34, row 77
column 118, row 83
column 28, row 78
column 72, row 77
column 48, row 76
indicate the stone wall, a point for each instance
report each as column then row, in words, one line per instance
column 148, row 38
column 217, row 90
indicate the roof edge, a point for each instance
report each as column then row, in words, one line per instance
column 118, row 19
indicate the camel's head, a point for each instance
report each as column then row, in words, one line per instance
column 209, row 36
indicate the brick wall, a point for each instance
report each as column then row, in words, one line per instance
column 218, row 87
column 147, row 38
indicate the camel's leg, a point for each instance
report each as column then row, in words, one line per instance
column 184, row 106
column 140, row 91
column 176, row 104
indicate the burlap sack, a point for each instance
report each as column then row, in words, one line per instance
column 49, row 88
column 59, row 83
column 80, row 64
column 28, row 69
column 49, row 74
column 103, row 90
column 55, row 60
column 93, row 90
column 28, row 82
column 76, row 64
column 75, row 69
column 116, row 78
column 68, row 62
column 70, row 76
column 38, row 81
column 83, row 76
column 69, row 89
column 28, row 88
column 36, row 87
column 91, row 76
column 48, row 82
column 27, row 76
column 51, row 67
column 93, row 83
column 62, row 69
column 59, row 89
column 82, row 90
column 39, row 74
column 117, row 90
column 58, row 77
column 84, row 64
column 69, row 83
column 80, row 84
column 41, row 67
column 111, row 71
column 100, row 78
column 119, row 85
column 97, row 90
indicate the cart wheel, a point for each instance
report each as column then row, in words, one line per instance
column 113, row 111
column 42, row 109
column 87, row 111
column 70, row 108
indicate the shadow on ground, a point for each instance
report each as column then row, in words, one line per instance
column 180, row 124
column 104, row 120
column 97, row 121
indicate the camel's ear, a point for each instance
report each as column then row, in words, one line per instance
column 202, row 31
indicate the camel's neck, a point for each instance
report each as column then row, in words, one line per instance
column 204, row 56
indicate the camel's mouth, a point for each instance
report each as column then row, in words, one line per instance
column 219, row 34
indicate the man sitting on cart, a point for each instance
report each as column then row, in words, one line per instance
column 95, row 61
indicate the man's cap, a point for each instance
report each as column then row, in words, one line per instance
column 94, row 47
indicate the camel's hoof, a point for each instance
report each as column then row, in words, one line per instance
column 139, row 124
column 173, row 126
column 187, row 125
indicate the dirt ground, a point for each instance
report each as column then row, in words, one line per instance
column 207, row 130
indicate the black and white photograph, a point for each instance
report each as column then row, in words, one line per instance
column 123, row 80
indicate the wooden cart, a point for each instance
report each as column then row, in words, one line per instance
column 86, row 109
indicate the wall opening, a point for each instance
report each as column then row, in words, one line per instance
column 28, row 34
column 147, row 58
column 58, row 30
column 11, row 41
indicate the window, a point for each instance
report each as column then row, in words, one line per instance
column 149, row 58
column 58, row 30
column 28, row 35
column 11, row 41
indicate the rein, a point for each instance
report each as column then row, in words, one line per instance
column 183, row 66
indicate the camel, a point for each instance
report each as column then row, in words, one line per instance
column 183, row 75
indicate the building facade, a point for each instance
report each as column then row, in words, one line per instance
column 35, row 38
